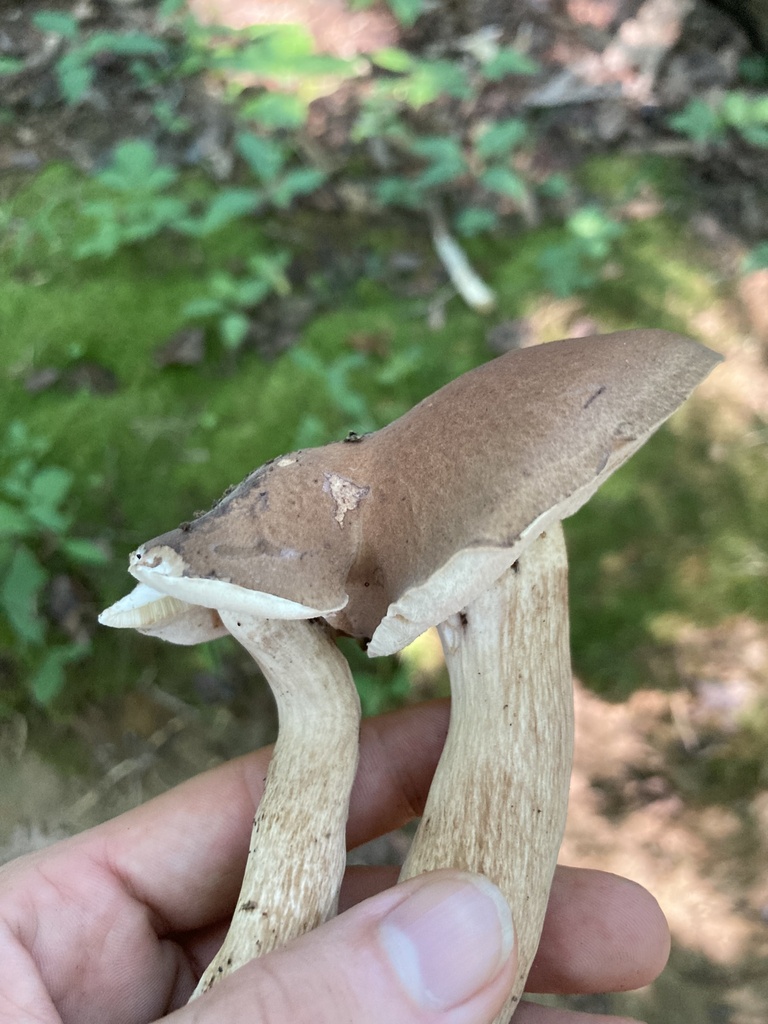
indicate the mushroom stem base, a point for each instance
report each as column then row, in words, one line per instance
column 297, row 852
column 498, row 802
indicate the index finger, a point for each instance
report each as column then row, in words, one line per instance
column 183, row 854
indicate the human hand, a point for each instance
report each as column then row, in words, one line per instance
column 116, row 925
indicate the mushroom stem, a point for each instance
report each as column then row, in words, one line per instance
column 499, row 798
column 297, row 852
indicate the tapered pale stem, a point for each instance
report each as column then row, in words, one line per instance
column 498, row 801
column 298, row 852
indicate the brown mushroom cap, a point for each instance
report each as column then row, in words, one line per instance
column 388, row 535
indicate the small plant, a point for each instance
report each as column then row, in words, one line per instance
column 708, row 122
column 337, row 379
column 346, row 382
column 463, row 180
column 141, row 195
column 284, row 54
column 422, row 171
column 34, row 540
column 430, row 171
column 75, row 70
column 268, row 159
column 230, row 300
column 576, row 262
column 137, row 205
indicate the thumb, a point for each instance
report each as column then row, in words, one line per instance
column 437, row 949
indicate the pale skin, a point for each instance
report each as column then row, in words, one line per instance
column 118, row 923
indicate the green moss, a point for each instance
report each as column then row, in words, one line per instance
column 670, row 534
column 616, row 178
column 662, row 281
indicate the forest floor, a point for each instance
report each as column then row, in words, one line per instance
column 645, row 799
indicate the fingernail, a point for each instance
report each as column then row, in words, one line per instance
column 448, row 940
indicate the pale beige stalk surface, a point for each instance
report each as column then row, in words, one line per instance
column 297, row 852
column 499, row 798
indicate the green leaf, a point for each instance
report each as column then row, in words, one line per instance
column 399, row 367
column 556, row 185
column 564, row 269
column 223, row 286
column 393, row 191
column 50, row 486
column 125, row 44
column 406, row 11
column 168, row 8
column 48, row 680
column 308, row 361
column 74, row 76
column 202, row 308
column 475, row 220
column 21, row 444
column 435, row 175
column 736, row 109
column 233, row 328
column 276, row 110
column 501, row 138
column 50, row 518
column 83, row 551
column 10, row 65
column 271, row 267
column 135, row 168
column 379, row 117
column 431, row 79
column 19, row 595
column 310, row 432
column 754, row 69
column 335, row 378
column 227, row 205
column 295, row 183
column 505, row 182
column 594, row 231
column 282, row 52
column 57, row 22
column 446, row 160
column 162, row 212
column 699, row 121
column 13, row 523
column 104, row 243
column 263, row 156
column 139, row 220
column 509, row 61
column 250, row 293
column 392, row 58
column 755, row 135
column 438, row 148
column 165, row 112
column 757, row 259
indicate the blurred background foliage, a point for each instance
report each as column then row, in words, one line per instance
column 185, row 309
column 222, row 242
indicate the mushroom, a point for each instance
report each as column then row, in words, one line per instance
column 449, row 516
column 297, row 853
